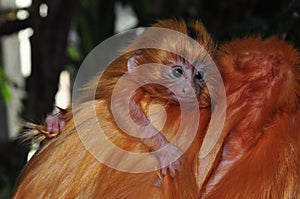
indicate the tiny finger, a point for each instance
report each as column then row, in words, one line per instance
column 172, row 171
column 157, row 182
column 164, row 171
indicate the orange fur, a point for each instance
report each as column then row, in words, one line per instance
column 64, row 168
column 260, row 153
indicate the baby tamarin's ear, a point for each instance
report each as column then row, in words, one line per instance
column 133, row 61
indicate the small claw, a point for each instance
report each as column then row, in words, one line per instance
column 172, row 153
column 177, row 165
column 173, row 167
column 164, row 171
column 157, row 182
column 172, row 171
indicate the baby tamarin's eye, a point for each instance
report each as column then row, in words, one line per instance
column 200, row 75
column 177, row 71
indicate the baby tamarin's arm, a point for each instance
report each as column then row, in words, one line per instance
column 55, row 123
column 156, row 142
column 182, row 82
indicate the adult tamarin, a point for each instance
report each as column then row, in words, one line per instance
column 171, row 86
column 258, row 152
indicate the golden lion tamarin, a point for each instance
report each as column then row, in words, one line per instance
column 171, row 79
column 257, row 155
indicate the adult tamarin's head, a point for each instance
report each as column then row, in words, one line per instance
column 266, row 70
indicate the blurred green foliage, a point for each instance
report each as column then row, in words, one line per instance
column 4, row 86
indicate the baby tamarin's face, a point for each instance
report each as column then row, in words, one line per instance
column 185, row 80
column 177, row 65
column 172, row 77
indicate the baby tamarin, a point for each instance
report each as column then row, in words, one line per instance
column 175, row 78
column 258, row 152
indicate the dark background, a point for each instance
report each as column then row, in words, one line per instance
column 93, row 21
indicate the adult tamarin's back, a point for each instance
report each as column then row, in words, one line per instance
column 259, row 153
column 64, row 168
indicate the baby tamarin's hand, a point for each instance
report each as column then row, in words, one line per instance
column 55, row 123
column 172, row 152
column 164, row 159
column 166, row 153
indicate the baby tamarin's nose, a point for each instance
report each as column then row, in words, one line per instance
column 188, row 91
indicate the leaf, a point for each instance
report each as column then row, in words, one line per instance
column 6, row 94
column 73, row 53
column 4, row 88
